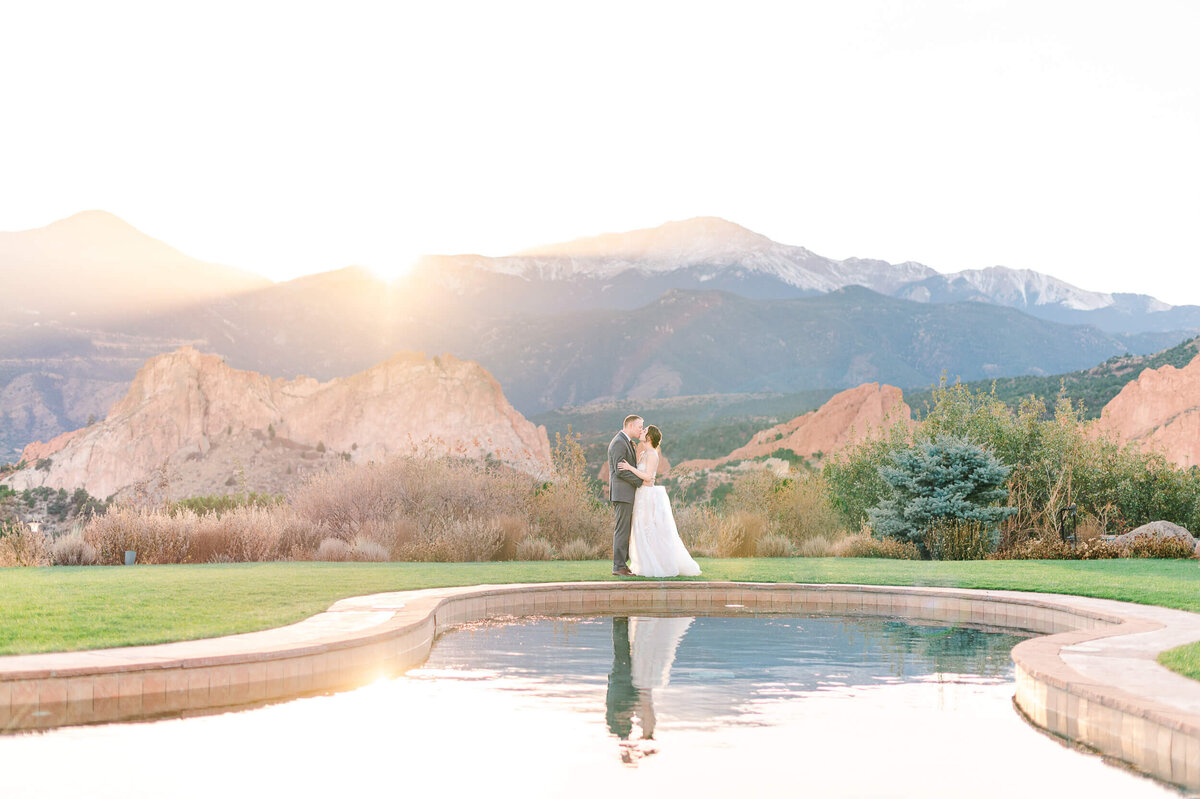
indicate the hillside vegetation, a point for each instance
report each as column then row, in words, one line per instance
column 1090, row 388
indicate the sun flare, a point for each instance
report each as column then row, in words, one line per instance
column 392, row 269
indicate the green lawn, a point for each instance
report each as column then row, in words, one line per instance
column 55, row 609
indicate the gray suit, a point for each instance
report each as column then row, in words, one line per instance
column 621, row 488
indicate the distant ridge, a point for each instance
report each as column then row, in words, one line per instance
column 95, row 265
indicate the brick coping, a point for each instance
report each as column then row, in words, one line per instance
column 1090, row 675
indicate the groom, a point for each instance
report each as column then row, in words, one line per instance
column 621, row 488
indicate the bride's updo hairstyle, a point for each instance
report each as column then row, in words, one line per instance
column 653, row 435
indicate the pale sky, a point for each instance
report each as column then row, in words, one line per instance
column 289, row 138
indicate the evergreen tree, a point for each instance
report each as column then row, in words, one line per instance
column 947, row 478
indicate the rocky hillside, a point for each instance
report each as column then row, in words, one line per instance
column 190, row 424
column 1160, row 410
column 845, row 418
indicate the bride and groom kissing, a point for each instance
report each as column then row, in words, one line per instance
column 646, row 542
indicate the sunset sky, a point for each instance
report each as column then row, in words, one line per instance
column 288, row 138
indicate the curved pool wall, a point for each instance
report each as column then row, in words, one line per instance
column 1090, row 677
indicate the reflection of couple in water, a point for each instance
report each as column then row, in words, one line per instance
column 639, row 666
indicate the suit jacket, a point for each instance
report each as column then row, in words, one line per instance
column 621, row 485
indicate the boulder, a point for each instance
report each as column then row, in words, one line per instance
column 1158, row 529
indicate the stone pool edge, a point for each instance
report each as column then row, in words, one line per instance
column 1090, row 676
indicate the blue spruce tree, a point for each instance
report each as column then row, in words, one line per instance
column 948, row 478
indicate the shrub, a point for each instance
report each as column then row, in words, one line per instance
column 946, row 478
column 797, row 506
column 865, row 545
column 775, row 546
column 576, row 549
column 739, row 534
column 700, row 529
column 72, row 550
column 1051, row 547
column 345, row 498
column 853, row 477
column 369, row 551
column 1097, row 549
column 959, row 539
column 21, row 546
column 535, row 549
column 513, row 529
column 802, row 508
column 334, row 549
column 568, row 507
column 156, row 537
column 816, row 547
column 456, row 540
column 1152, row 546
column 223, row 503
column 296, row 538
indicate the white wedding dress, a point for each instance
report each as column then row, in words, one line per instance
column 655, row 549
column 654, row 643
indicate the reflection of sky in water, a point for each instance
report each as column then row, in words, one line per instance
column 726, row 668
column 765, row 706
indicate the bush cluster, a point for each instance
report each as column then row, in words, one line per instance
column 1053, row 548
column 20, row 546
column 764, row 509
column 1054, row 459
column 865, row 545
column 959, row 539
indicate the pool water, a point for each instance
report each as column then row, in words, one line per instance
column 603, row 706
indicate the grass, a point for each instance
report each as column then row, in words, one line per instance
column 64, row 608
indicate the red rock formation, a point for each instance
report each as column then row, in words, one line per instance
column 1161, row 410
column 186, row 410
column 845, row 418
column 38, row 450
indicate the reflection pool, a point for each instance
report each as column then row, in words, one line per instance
column 599, row 706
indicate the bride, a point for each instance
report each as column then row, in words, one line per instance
column 655, row 549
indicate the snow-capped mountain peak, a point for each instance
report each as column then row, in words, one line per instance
column 706, row 247
column 1017, row 288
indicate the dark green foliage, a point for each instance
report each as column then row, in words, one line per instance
column 796, row 461
column 8, row 505
column 54, row 506
column 84, row 504
column 853, row 475
column 44, row 464
column 270, row 431
column 320, row 446
column 720, row 494
column 948, row 478
column 1055, row 462
column 58, row 505
column 1090, row 388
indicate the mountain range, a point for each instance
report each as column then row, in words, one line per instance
column 699, row 306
